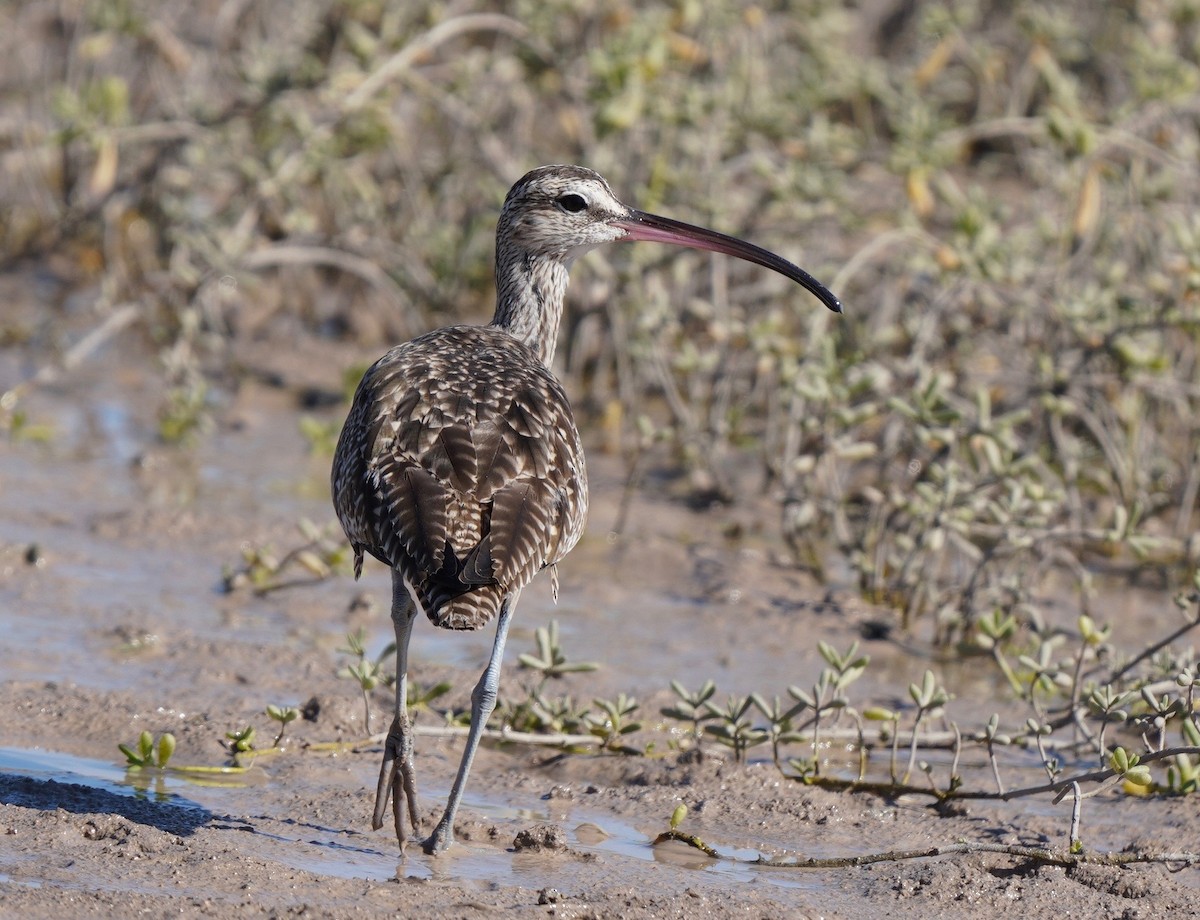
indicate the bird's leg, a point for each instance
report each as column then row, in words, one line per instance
column 483, row 701
column 396, row 774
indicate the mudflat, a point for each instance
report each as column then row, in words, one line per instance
column 113, row 556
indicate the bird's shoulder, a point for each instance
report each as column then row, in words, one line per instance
column 464, row 373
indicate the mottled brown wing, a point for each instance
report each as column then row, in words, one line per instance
column 461, row 466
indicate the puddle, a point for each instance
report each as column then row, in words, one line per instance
column 64, row 768
column 374, row 857
column 349, row 854
column 625, row 841
column 176, row 787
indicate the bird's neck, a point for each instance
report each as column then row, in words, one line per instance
column 529, row 300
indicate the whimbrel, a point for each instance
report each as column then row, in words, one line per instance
column 460, row 466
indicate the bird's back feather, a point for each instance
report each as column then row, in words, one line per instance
column 460, row 465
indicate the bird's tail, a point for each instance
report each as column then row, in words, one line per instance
column 470, row 610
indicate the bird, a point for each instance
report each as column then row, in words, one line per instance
column 460, row 466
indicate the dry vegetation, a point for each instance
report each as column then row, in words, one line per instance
column 1004, row 195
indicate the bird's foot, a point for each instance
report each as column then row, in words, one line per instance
column 441, row 838
column 397, row 781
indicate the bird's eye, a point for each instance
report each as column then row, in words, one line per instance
column 573, row 203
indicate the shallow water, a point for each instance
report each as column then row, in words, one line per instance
column 348, row 854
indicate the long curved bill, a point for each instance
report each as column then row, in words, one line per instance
column 650, row 227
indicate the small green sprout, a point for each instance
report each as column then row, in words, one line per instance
column 678, row 815
column 1183, row 774
column 780, row 730
column 367, row 673
column 318, row 557
column 283, row 715
column 611, row 724
column 550, row 660
column 1094, row 636
column 690, row 707
column 929, row 696
column 240, row 741
column 421, row 697
column 149, row 754
column 1127, row 765
column 674, row 833
column 1190, row 732
column 994, row 628
column 879, row 714
column 556, row 714
column 849, row 666
column 733, row 727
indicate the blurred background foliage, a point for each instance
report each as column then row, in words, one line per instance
column 1004, row 194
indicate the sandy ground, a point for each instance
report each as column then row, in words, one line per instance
column 111, row 554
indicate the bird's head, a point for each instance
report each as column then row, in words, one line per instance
column 562, row 212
